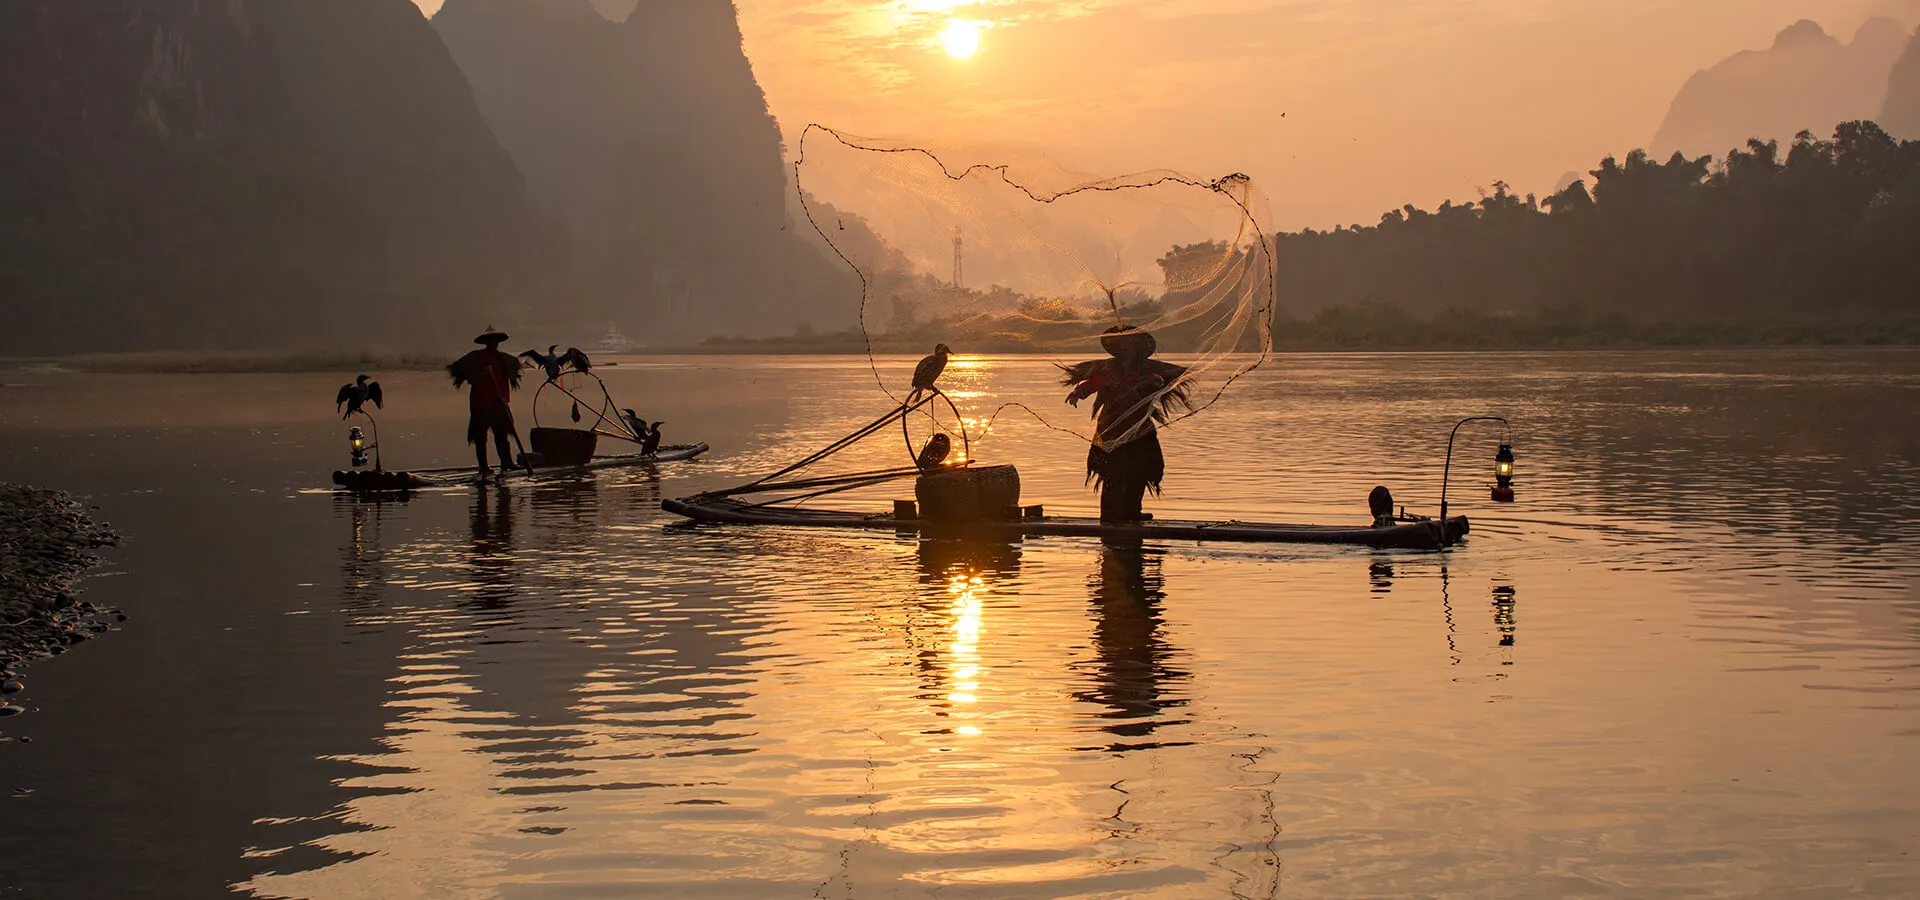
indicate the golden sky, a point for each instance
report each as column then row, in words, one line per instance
column 1339, row 109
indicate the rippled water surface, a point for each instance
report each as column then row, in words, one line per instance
column 1685, row 663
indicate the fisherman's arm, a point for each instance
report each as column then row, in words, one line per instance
column 1084, row 390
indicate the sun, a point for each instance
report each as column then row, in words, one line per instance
column 961, row 38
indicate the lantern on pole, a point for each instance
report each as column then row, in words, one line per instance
column 1502, row 462
column 357, row 441
column 1503, row 474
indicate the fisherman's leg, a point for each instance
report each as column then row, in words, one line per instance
column 477, row 436
column 1133, row 498
column 1113, row 500
column 500, row 444
column 503, row 429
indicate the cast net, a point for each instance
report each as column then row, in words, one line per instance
column 995, row 251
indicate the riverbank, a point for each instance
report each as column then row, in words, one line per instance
column 46, row 541
column 1340, row 330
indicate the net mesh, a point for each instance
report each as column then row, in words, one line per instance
column 1153, row 291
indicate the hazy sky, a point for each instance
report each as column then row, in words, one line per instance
column 1385, row 102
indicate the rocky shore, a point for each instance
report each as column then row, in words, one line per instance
column 46, row 541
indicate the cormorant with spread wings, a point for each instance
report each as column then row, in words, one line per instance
column 354, row 396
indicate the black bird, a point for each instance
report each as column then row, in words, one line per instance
column 353, row 396
column 929, row 369
column 577, row 359
column 550, row 360
column 650, row 444
column 1380, row 503
column 635, row 424
column 934, row 452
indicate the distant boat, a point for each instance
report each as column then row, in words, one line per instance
column 614, row 342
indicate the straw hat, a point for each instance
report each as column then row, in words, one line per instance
column 1126, row 338
column 491, row 336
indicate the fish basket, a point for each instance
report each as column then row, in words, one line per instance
column 969, row 495
column 562, row 446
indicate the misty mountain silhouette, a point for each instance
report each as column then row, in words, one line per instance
column 1807, row 80
column 651, row 138
column 180, row 174
column 1901, row 114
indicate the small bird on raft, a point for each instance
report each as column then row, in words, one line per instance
column 929, row 369
column 635, row 423
column 353, row 396
column 650, row 444
column 934, row 453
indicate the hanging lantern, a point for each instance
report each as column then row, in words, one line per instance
column 1503, row 474
column 357, row 440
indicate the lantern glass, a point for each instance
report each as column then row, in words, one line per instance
column 1503, row 462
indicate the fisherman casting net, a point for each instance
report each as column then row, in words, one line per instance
column 997, row 251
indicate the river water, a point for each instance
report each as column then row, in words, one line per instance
column 1685, row 663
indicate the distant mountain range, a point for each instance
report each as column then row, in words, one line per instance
column 1807, row 80
column 652, row 140
column 1901, row 113
column 182, row 174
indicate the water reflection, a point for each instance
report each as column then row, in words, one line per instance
column 1132, row 673
column 363, row 559
column 490, row 546
column 1380, row 576
column 956, row 576
column 1503, row 608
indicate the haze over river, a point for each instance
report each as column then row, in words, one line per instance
column 1685, row 663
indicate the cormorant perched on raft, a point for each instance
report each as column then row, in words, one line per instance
column 934, row 453
column 929, row 369
column 355, row 395
column 635, row 424
column 549, row 361
column 650, row 444
column 576, row 358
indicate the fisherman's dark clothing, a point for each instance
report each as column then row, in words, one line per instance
column 1125, row 460
column 493, row 376
column 1125, row 474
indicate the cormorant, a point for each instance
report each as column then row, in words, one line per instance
column 635, row 424
column 934, row 452
column 929, row 369
column 353, row 396
column 651, row 443
column 1380, row 503
column 577, row 359
column 550, row 360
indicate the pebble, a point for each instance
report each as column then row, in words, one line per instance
column 11, row 710
column 11, row 687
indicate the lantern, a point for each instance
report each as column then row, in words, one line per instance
column 357, row 440
column 1503, row 474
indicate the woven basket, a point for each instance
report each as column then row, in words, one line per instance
column 970, row 494
column 562, row 446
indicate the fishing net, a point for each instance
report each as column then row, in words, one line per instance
column 1153, row 292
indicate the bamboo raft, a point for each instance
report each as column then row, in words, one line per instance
column 1423, row 534
column 366, row 481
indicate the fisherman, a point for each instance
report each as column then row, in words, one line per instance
column 493, row 374
column 1133, row 394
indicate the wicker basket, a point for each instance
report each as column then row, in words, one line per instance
column 562, row 446
column 970, row 494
